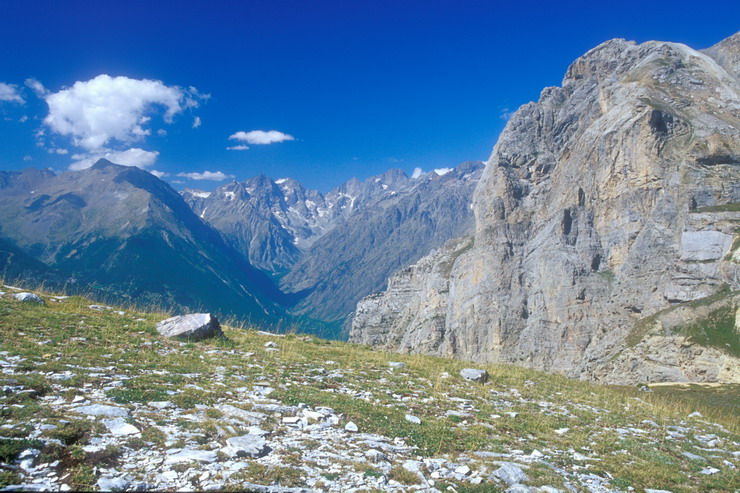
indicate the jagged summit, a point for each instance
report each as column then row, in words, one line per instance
column 336, row 247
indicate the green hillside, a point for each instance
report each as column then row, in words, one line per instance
column 179, row 403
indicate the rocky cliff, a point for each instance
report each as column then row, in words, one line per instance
column 612, row 199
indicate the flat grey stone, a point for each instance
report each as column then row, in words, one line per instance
column 413, row 419
column 108, row 483
column 119, row 427
column 510, row 474
column 187, row 455
column 474, row 375
column 193, row 327
column 101, row 410
column 160, row 404
column 247, row 446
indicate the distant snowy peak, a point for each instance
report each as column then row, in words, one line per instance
column 196, row 193
column 251, row 214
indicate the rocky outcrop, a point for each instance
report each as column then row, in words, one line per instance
column 612, row 198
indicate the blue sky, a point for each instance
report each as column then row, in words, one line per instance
column 352, row 88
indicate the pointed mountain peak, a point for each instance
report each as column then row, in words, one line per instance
column 102, row 163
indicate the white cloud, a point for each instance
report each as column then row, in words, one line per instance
column 37, row 87
column 261, row 137
column 105, row 108
column 130, row 157
column 196, row 122
column 27, row 158
column 162, row 132
column 442, row 171
column 158, row 174
column 207, row 175
column 9, row 93
column 57, row 151
column 505, row 114
column 23, row 119
column 237, row 148
column 417, row 173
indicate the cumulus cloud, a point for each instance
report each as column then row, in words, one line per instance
column 9, row 93
column 158, row 174
column 57, row 151
column 196, row 122
column 104, row 109
column 130, row 157
column 207, row 175
column 261, row 137
column 237, row 148
column 27, row 158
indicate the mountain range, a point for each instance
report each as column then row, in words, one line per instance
column 119, row 231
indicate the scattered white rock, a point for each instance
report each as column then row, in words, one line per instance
column 413, row 419
column 159, row 404
column 108, row 483
column 246, row 446
column 119, row 427
column 100, row 308
column 187, row 455
column 510, row 474
column 101, row 410
column 351, row 427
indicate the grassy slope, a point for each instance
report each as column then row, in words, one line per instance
column 67, row 335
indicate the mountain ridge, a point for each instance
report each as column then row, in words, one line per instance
column 116, row 227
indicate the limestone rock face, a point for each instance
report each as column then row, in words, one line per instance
column 610, row 199
column 193, row 327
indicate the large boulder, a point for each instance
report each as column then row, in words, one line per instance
column 28, row 298
column 193, row 327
